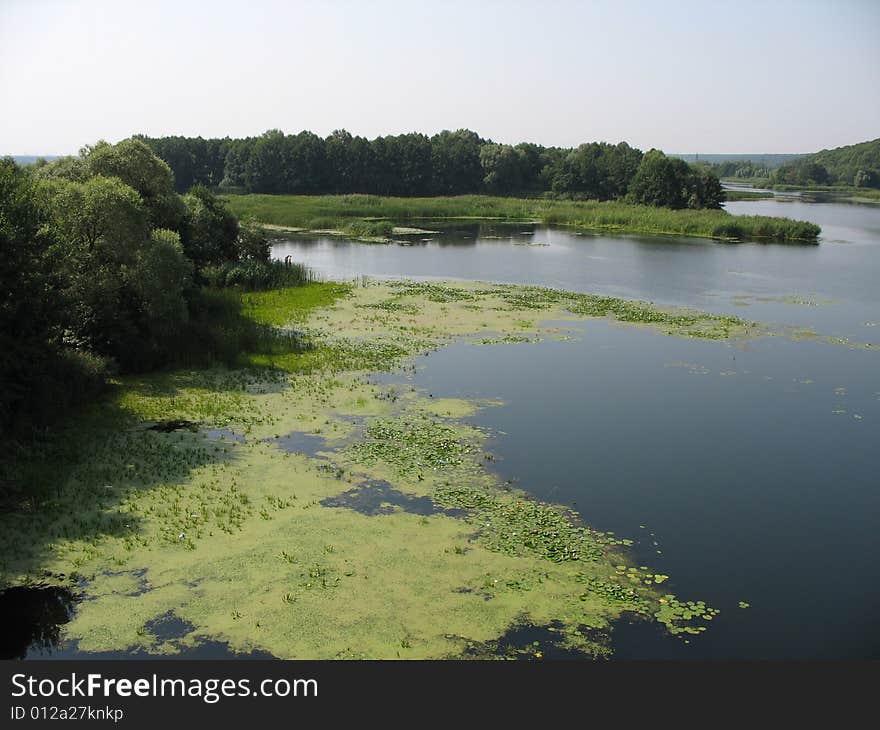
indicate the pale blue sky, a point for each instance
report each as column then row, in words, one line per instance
column 728, row 76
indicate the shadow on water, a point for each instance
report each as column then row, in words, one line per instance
column 175, row 425
column 530, row 642
column 299, row 442
column 139, row 574
column 212, row 434
column 32, row 617
column 377, row 497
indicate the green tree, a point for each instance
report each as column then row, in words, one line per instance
column 179, row 153
column 98, row 228
column 409, row 159
column 252, row 243
column 123, row 285
column 704, row 188
column 660, row 181
column 504, row 168
column 455, row 162
column 802, row 172
column 162, row 278
column 349, row 162
column 304, row 163
column 99, row 210
column 133, row 162
column 264, row 163
column 236, row 165
column 29, row 312
column 866, row 179
column 210, row 232
column 64, row 168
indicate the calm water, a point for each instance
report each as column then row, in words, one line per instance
column 836, row 282
column 735, row 460
column 753, row 468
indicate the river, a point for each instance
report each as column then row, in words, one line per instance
column 746, row 471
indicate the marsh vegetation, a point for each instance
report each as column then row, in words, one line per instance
column 142, row 506
column 339, row 212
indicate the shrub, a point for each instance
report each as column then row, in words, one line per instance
column 256, row 275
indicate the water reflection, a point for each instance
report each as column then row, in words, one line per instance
column 32, row 617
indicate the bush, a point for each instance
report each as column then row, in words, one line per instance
column 369, row 229
column 210, row 234
column 256, row 275
column 252, row 243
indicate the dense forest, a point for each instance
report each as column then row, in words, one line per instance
column 742, row 169
column 107, row 269
column 449, row 163
column 763, row 159
column 857, row 164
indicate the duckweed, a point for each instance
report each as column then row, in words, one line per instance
column 229, row 530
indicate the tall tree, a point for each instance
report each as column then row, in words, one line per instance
column 660, row 181
column 29, row 307
column 455, row 162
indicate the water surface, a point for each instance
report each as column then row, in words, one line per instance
column 746, row 471
column 830, row 288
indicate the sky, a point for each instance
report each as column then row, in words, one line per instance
column 737, row 76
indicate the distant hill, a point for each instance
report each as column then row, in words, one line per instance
column 771, row 161
column 844, row 163
column 855, row 164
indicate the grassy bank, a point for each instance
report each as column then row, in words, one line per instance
column 755, row 182
column 731, row 195
column 343, row 211
column 842, row 192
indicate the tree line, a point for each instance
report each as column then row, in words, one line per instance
column 449, row 163
column 103, row 270
column 745, row 169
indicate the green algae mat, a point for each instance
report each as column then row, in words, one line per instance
column 294, row 506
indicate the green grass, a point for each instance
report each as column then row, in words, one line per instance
column 279, row 307
column 293, row 354
column 342, row 211
column 755, row 182
column 746, row 194
column 256, row 275
column 369, row 229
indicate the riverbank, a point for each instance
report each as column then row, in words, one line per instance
column 731, row 195
column 814, row 193
column 841, row 193
column 374, row 216
column 294, row 506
